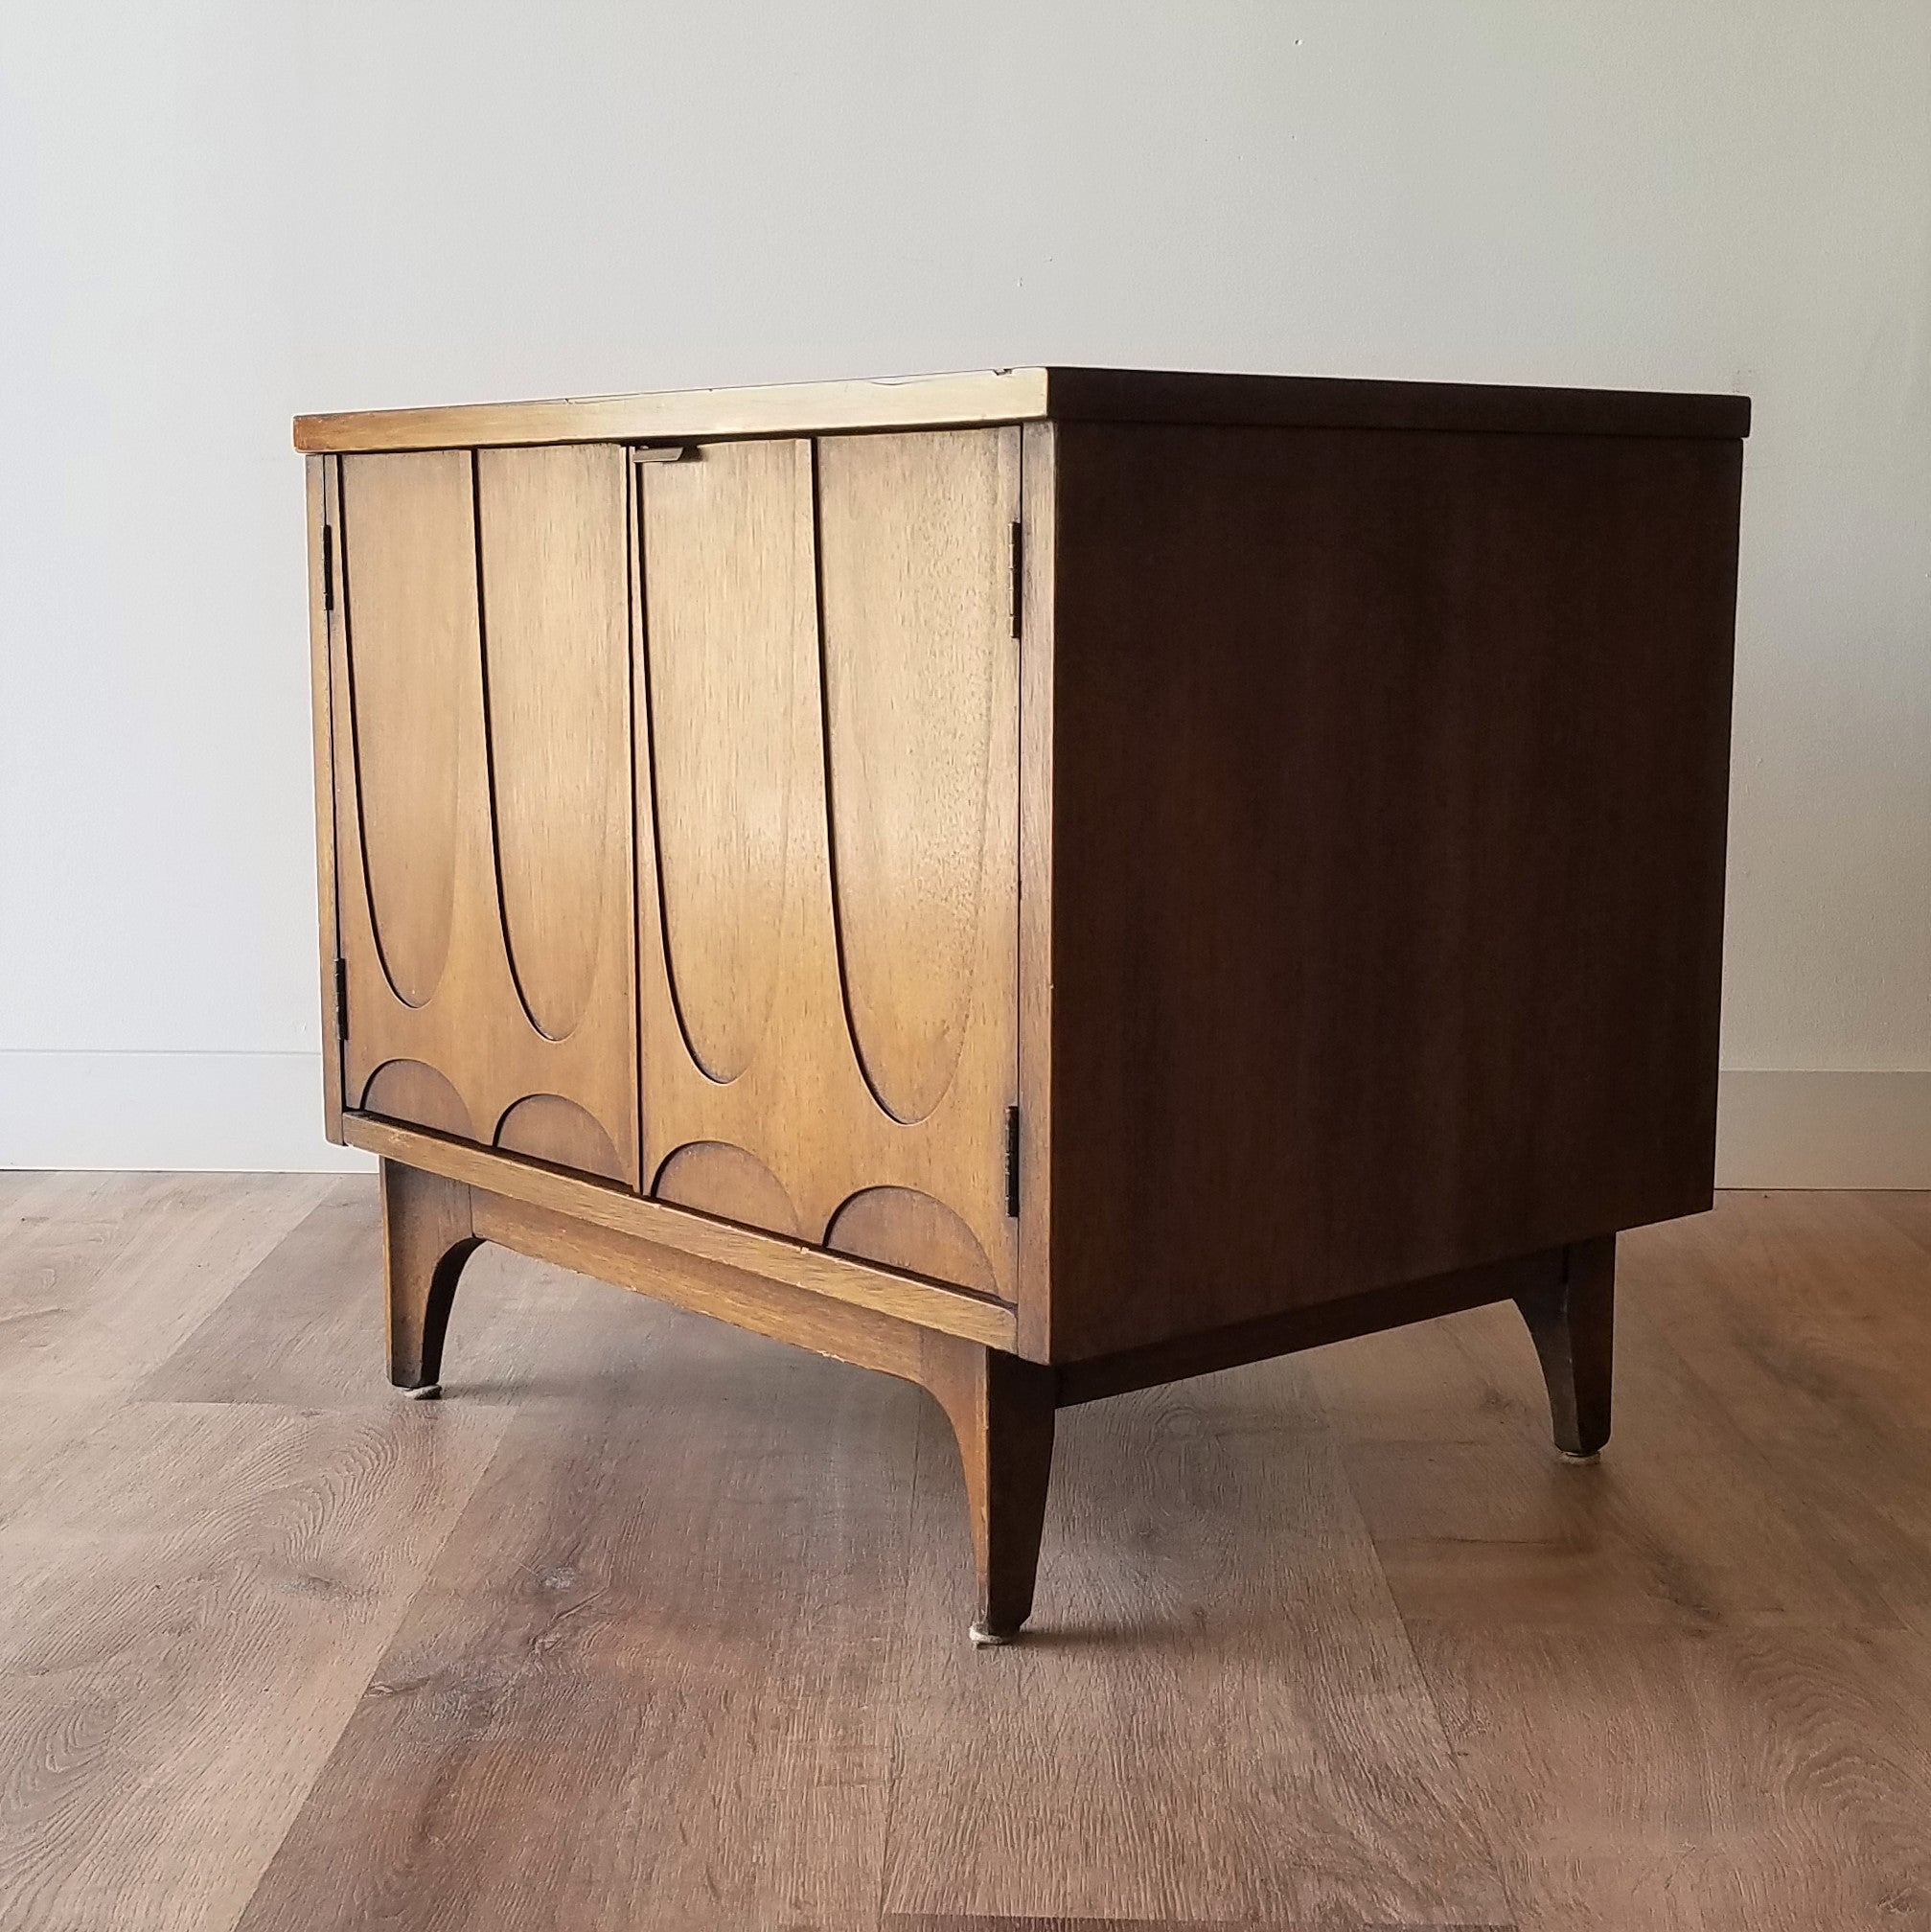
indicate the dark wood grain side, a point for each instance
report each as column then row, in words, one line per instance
column 1389, row 809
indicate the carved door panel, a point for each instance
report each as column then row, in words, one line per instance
column 828, row 797
column 483, row 797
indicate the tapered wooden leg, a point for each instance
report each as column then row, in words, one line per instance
column 427, row 1237
column 1574, row 1327
column 1002, row 1412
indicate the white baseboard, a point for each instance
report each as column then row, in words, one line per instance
column 1823, row 1130
column 258, row 1113
column 262, row 1112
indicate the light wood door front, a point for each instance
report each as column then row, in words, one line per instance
column 480, row 655
column 828, row 812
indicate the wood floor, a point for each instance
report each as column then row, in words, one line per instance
column 652, row 1625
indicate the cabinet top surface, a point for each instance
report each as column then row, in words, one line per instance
column 1035, row 395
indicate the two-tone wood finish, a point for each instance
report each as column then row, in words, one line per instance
column 479, row 671
column 1061, row 395
column 1060, row 878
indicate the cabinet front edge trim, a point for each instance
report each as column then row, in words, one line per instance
column 975, row 400
column 839, row 1278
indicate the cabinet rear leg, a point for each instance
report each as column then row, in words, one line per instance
column 1574, row 1327
column 1002, row 1412
column 427, row 1237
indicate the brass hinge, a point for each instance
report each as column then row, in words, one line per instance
column 1012, row 1159
column 328, row 567
column 1017, row 574
column 342, row 999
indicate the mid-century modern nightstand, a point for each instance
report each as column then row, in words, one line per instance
column 1042, row 881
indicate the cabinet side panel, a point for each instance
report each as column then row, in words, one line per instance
column 1391, row 776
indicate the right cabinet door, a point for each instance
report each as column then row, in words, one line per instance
column 828, row 800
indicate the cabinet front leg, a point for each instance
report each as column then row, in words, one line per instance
column 1002, row 1412
column 1573, row 1327
column 426, row 1237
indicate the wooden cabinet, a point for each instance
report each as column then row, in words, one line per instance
column 1040, row 881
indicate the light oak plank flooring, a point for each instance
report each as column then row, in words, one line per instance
column 647, row 1623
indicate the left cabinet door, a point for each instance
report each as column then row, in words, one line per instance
column 479, row 662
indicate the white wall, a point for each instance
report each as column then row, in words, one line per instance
column 213, row 214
